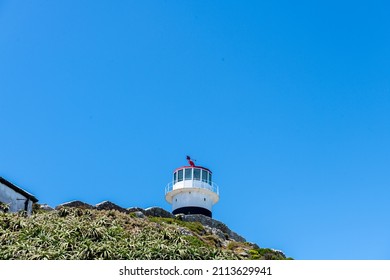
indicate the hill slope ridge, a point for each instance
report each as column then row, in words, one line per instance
column 153, row 233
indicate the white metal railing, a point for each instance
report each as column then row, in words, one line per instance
column 211, row 186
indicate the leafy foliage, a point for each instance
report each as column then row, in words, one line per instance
column 83, row 234
column 4, row 207
column 193, row 226
column 266, row 254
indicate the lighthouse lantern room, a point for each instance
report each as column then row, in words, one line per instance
column 192, row 190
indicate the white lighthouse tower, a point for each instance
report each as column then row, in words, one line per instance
column 192, row 190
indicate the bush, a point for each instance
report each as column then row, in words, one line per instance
column 4, row 207
column 70, row 233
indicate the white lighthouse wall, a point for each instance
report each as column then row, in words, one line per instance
column 192, row 198
column 14, row 199
column 192, row 184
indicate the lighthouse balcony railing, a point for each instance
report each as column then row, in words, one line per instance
column 211, row 186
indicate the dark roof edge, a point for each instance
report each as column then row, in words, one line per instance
column 18, row 190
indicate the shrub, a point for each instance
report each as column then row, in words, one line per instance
column 4, row 207
column 80, row 234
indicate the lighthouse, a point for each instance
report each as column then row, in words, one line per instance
column 192, row 190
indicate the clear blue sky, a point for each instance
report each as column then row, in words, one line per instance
column 287, row 102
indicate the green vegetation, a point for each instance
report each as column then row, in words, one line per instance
column 4, row 207
column 266, row 254
column 192, row 226
column 72, row 233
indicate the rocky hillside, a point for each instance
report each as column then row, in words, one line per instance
column 106, row 231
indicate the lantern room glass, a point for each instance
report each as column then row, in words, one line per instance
column 180, row 175
column 188, row 174
column 197, row 174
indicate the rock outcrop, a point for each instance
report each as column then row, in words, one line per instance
column 218, row 228
column 135, row 209
column 75, row 204
column 108, row 205
column 46, row 207
column 158, row 212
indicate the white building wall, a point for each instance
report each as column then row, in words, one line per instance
column 192, row 184
column 192, row 198
column 15, row 200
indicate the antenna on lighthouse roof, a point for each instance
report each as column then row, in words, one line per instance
column 190, row 161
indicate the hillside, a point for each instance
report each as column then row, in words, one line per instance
column 76, row 233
